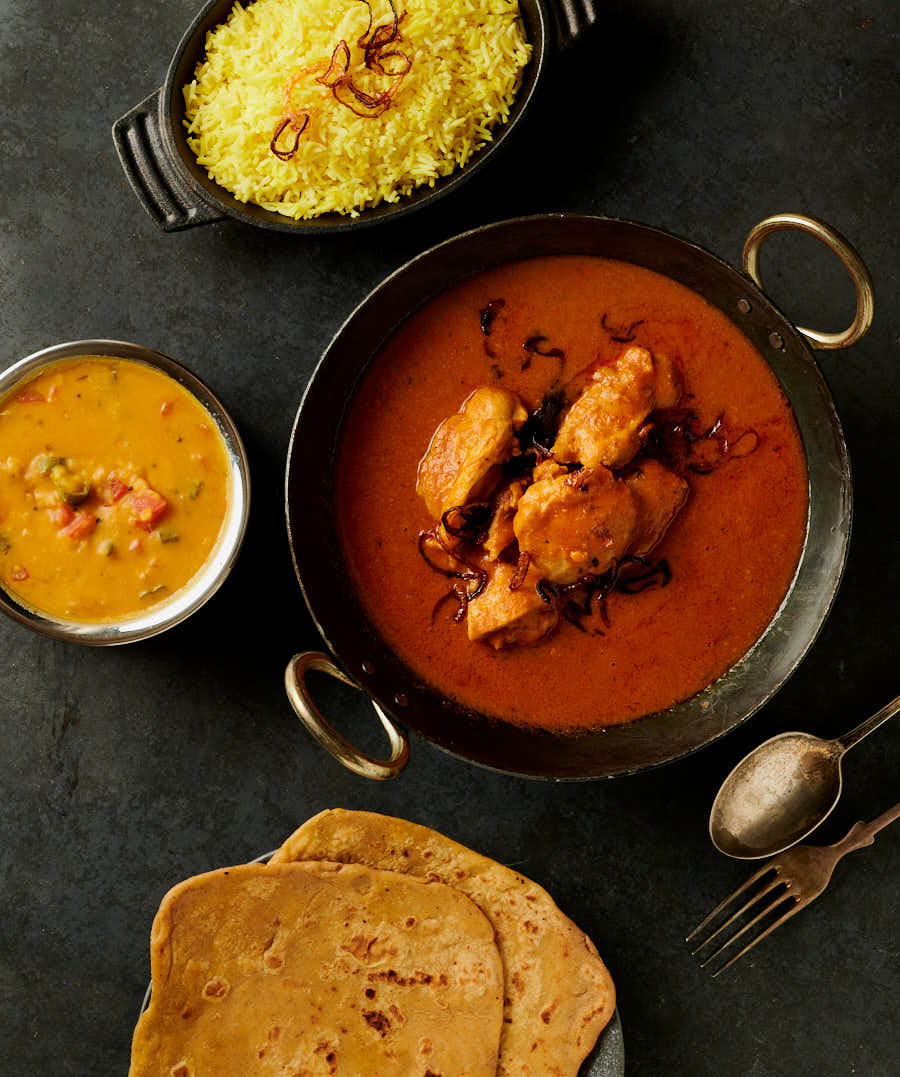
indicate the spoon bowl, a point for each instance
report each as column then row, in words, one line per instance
column 776, row 795
column 783, row 790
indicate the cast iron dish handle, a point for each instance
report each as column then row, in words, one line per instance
column 862, row 280
column 342, row 750
column 572, row 18
column 162, row 192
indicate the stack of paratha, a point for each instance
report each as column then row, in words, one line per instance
column 369, row 947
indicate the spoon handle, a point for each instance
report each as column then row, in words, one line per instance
column 861, row 834
column 848, row 740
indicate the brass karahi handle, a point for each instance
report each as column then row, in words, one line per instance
column 329, row 738
column 862, row 280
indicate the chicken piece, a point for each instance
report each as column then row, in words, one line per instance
column 463, row 461
column 606, row 424
column 576, row 524
column 603, row 426
column 501, row 618
column 548, row 469
column 500, row 533
column 659, row 495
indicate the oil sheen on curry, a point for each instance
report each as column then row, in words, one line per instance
column 570, row 493
column 113, row 489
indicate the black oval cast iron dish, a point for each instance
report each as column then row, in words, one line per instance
column 600, row 752
column 176, row 191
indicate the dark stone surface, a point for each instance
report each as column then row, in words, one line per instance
column 124, row 771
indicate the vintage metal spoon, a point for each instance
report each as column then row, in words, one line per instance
column 783, row 790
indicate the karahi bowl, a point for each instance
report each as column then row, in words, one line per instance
column 403, row 700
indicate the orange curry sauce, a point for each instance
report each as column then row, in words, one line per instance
column 732, row 550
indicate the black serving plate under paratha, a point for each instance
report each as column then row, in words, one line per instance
column 608, row 1058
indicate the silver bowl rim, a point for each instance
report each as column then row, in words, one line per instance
column 218, row 565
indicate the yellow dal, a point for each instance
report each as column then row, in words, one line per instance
column 103, row 415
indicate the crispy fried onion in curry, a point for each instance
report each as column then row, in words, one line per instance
column 541, row 517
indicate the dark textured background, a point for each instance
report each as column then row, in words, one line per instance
column 123, row 771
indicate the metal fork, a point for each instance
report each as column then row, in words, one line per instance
column 799, row 875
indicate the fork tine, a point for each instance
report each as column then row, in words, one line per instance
column 747, row 905
column 765, row 912
column 755, row 877
column 781, row 919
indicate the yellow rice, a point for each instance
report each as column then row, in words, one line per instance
column 467, row 62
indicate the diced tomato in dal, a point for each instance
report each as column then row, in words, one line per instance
column 147, row 508
column 81, row 526
column 30, row 396
column 113, row 490
column 62, row 515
